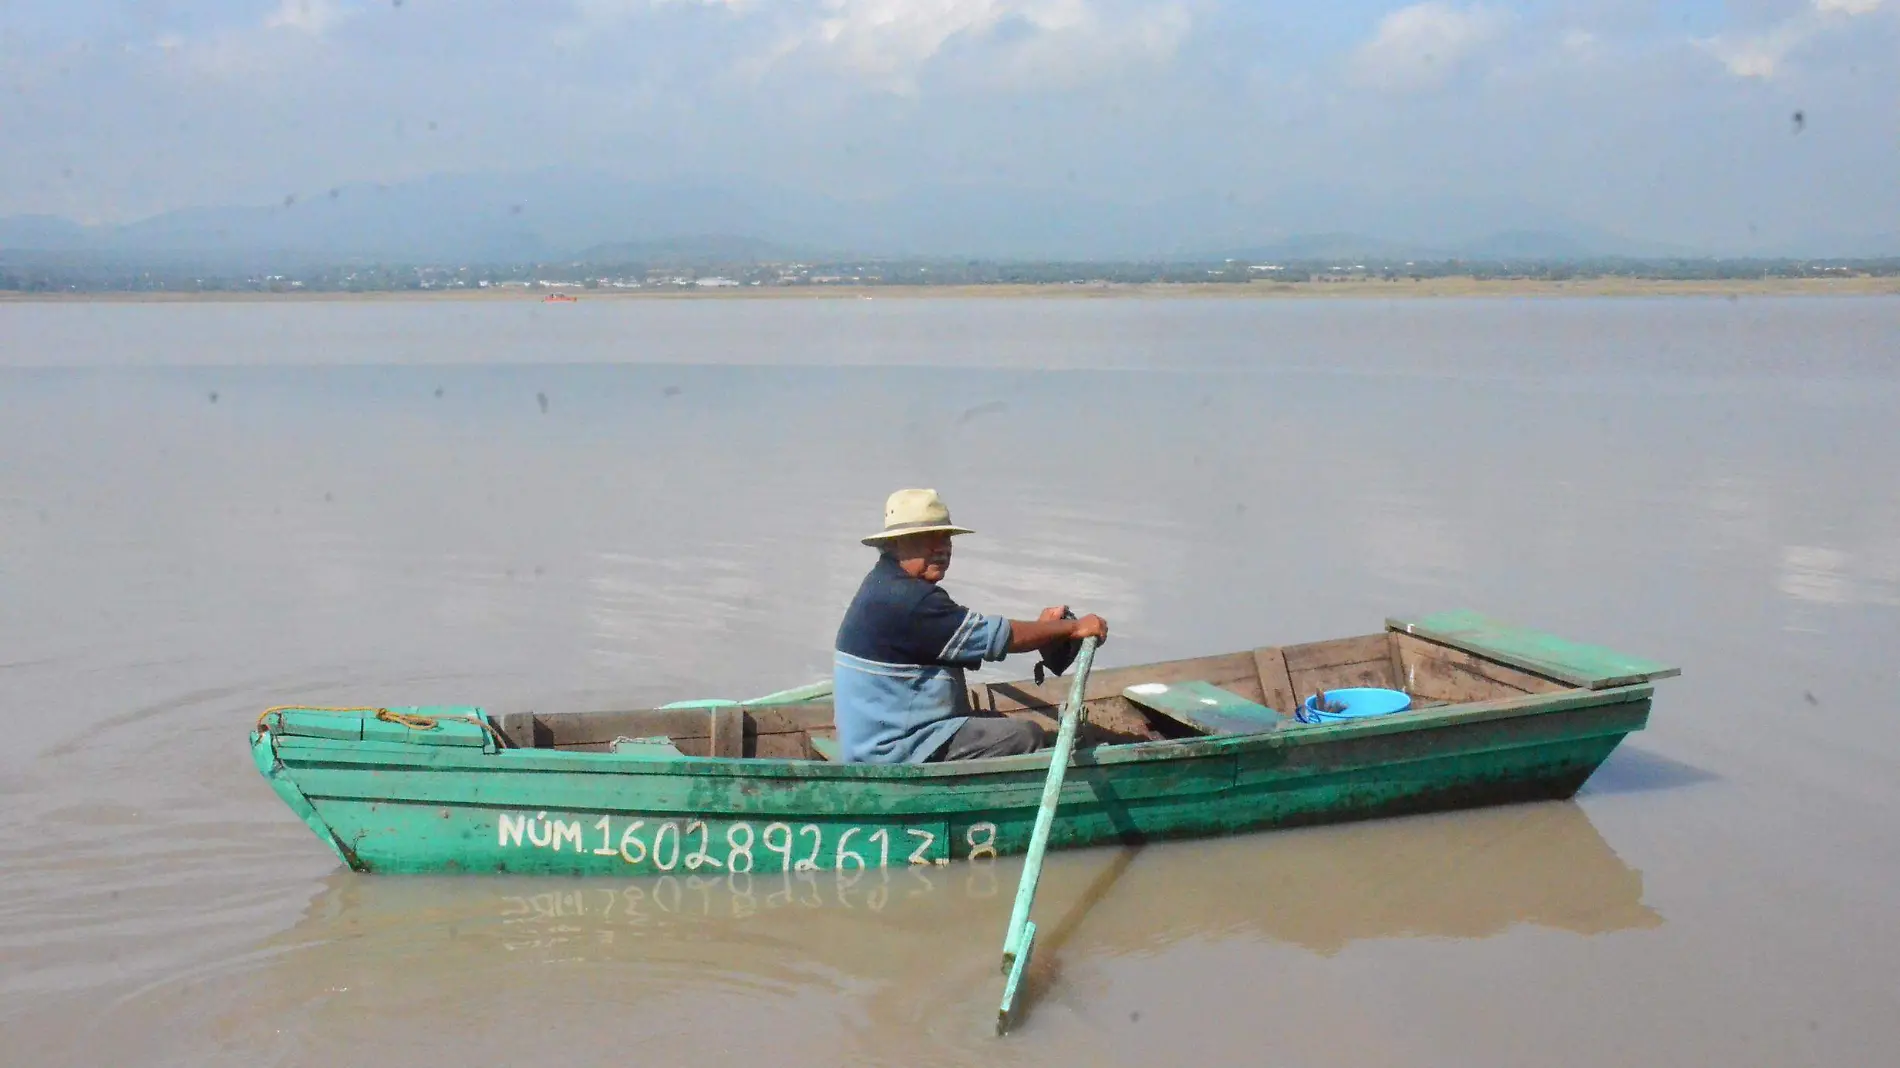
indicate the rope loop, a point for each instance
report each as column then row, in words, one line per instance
column 274, row 709
column 413, row 722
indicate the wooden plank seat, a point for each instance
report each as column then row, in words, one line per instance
column 656, row 747
column 1204, row 707
column 826, row 747
column 1590, row 666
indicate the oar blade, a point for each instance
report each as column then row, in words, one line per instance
column 1014, row 989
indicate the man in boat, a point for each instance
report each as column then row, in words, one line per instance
column 897, row 674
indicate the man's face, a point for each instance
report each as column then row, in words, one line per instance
column 924, row 556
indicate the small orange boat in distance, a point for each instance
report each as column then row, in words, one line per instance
column 559, row 298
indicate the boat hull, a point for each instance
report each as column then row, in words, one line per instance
column 399, row 807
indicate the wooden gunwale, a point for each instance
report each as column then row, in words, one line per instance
column 1481, row 732
column 319, row 753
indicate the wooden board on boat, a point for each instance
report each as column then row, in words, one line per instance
column 1204, row 707
column 1590, row 666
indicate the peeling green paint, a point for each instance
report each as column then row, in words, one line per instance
column 398, row 806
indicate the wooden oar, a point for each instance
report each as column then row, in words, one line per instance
column 1021, row 938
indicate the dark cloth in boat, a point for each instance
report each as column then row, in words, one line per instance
column 897, row 673
column 991, row 736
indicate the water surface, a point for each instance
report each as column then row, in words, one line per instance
column 206, row 509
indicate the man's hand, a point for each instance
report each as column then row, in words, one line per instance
column 1050, row 628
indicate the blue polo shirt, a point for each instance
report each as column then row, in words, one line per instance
column 897, row 674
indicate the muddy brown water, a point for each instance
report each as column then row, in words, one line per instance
column 206, row 509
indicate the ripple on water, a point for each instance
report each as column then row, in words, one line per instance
column 335, row 536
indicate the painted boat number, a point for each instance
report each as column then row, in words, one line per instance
column 691, row 845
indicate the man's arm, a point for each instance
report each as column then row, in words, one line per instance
column 1052, row 629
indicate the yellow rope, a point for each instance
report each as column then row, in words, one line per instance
column 406, row 719
column 266, row 714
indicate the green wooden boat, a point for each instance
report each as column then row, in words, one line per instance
column 1185, row 748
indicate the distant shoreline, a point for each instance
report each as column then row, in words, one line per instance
column 1360, row 289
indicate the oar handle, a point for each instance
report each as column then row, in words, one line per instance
column 1046, row 812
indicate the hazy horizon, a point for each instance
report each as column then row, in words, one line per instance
column 1083, row 128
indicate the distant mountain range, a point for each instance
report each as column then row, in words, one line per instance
column 562, row 216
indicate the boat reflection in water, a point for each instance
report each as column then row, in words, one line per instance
column 1463, row 875
column 825, row 967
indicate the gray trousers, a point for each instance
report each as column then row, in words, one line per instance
column 991, row 736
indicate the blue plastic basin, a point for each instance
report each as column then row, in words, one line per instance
column 1360, row 703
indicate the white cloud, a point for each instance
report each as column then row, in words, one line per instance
column 1759, row 55
column 1764, row 54
column 599, row 11
column 1092, row 46
column 1422, row 46
column 295, row 29
column 1580, row 43
column 1848, row 7
column 313, row 17
column 889, row 41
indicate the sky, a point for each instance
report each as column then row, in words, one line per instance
column 1672, row 122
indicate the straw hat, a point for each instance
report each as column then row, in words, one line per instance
column 915, row 511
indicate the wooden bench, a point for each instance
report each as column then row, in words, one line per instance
column 658, row 747
column 1204, row 707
